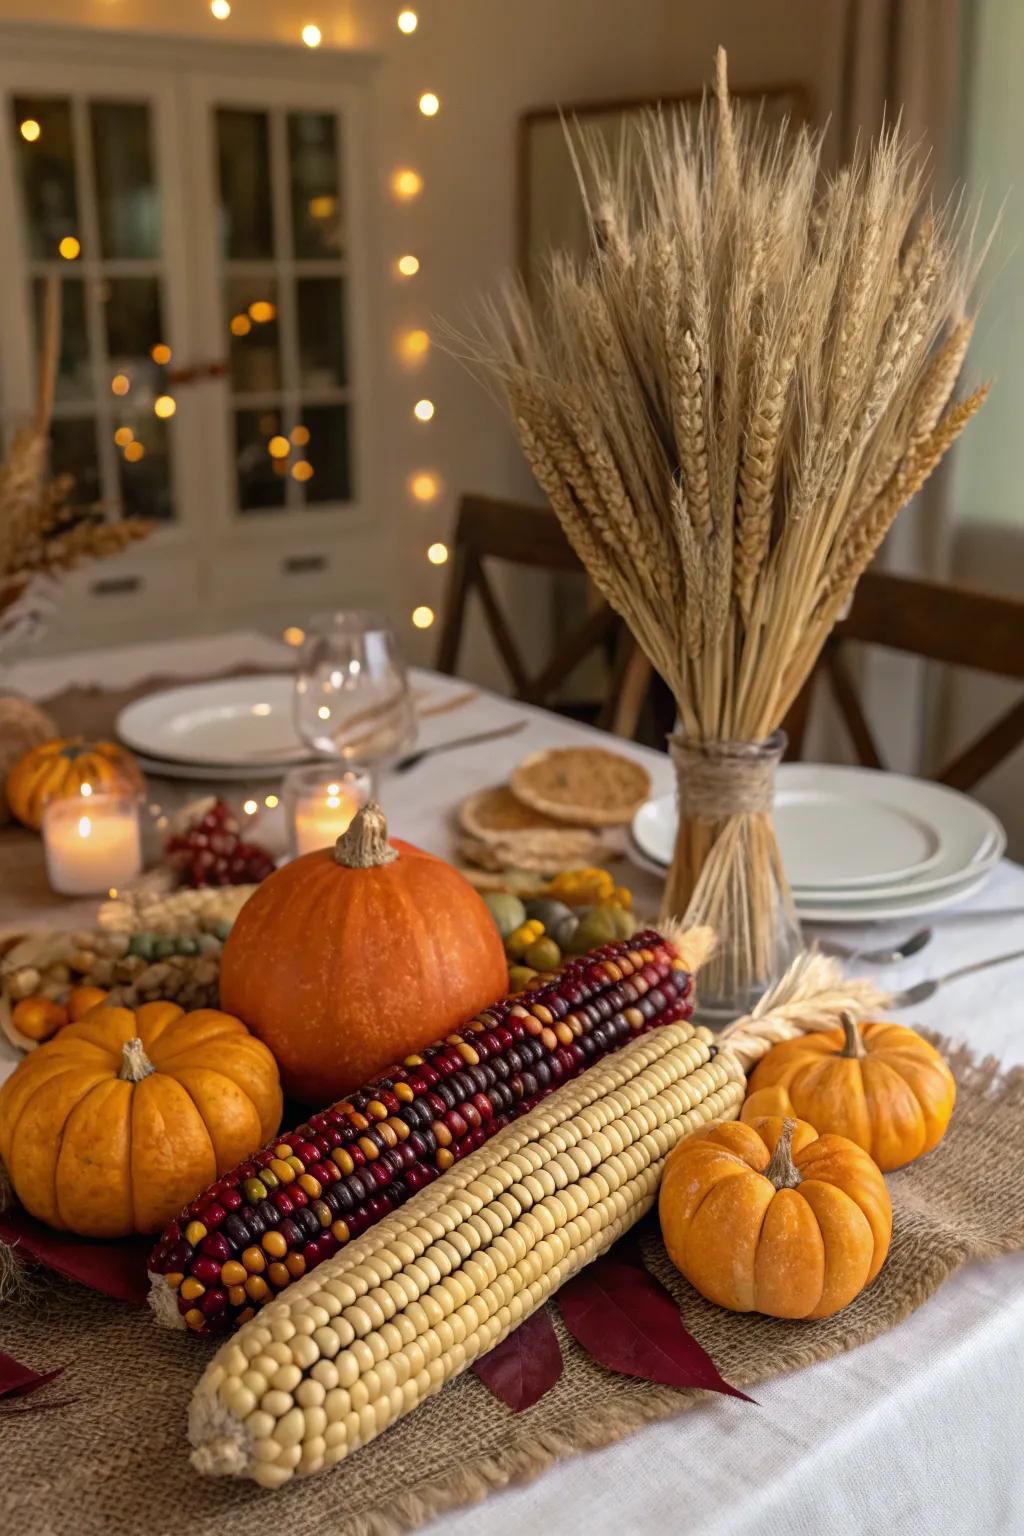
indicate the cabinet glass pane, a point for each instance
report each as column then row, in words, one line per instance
column 243, row 160
column 255, row 343
column 327, row 452
column 321, row 333
column 73, row 452
column 262, row 461
column 315, row 184
column 132, row 314
column 144, row 468
column 44, row 138
column 127, row 203
column 74, row 372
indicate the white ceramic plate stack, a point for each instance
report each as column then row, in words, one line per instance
column 236, row 728
column 859, row 845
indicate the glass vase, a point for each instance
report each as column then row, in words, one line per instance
column 726, row 869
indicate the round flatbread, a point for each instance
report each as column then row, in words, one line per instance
column 501, row 832
column 582, row 786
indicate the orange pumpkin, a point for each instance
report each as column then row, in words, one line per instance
column 354, row 956
column 115, row 1124
column 773, row 1218
column 883, row 1086
column 57, row 769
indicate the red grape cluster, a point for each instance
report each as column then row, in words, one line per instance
column 212, row 853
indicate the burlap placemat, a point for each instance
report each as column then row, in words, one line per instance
column 115, row 1458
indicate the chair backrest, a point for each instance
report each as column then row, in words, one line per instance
column 938, row 623
column 521, row 535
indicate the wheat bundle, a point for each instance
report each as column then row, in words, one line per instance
column 727, row 403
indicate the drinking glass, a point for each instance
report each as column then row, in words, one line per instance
column 352, row 698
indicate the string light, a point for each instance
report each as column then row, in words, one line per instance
column 300, row 435
column 271, row 801
column 293, row 635
column 241, row 325
column 278, row 447
column 250, row 807
column 161, row 354
column 311, row 35
column 406, row 184
column 120, row 384
column 324, row 712
column 220, row 10
column 437, row 554
column 123, row 436
column 322, row 207
column 408, row 266
column 303, row 470
column 134, row 452
column 423, row 617
column 413, row 346
column 30, row 130
column 70, row 248
column 408, row 21
column 424, row 485
column 423, row 410
column 164, row 406
column 261, row 311
column 429, row 104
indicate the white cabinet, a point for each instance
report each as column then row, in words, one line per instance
column 204, row 215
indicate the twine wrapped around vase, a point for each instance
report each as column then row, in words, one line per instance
column 726, row 870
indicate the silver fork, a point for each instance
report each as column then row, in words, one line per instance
column 902, row 950
column 922, row 990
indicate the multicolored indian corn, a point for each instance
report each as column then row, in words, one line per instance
column 295, row 1203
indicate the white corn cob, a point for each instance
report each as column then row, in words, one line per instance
column 396, row 1314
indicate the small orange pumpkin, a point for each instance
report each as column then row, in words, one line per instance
column 773, row 1218
column 354, row 956
column 882, row 1085
column 114, row 1125
column 58, row 769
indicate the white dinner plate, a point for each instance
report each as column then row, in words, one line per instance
column 885, row 835
column 235, row 724
column 809, row 911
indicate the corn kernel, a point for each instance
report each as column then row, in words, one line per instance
column 194, row 1318
column 283, row 1149
column 232, row 1273
column 254, row 1261
column 339, row 1229
column 236, row 1295
column 310, row 1186
column 257, row 1288
column 285, row 1172
column 343, row 1160
column 295, row 1265
column 274, row 1244
column 192, row 1289
column 278, row 1275
column 174, row 1280
column 194, row 1233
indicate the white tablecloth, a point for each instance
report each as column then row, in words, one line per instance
column 919, row 1432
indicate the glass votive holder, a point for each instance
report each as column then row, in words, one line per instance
column 320, row 802
column 92, row 843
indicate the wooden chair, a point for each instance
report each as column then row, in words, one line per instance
column 530, row 536
column 938, row 623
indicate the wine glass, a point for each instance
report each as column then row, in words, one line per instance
column 352, row 698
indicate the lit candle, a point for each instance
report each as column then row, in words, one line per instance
column 92, row 843
column 321, row 805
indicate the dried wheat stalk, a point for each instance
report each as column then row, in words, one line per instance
column 41, row 529
column 727, row 404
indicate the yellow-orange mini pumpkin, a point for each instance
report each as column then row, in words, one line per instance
column 58, row 769
column 351, row 957
column 119, row 1121
column 774, row 1218
column 882, row 1085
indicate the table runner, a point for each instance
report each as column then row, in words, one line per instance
column 116, row 1457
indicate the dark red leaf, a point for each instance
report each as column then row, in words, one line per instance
column 629, row 1323
column 520, row 1370
column 117, row 1269
column 17, row 1380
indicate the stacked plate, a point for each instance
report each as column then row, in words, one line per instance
column 859, row 845
column 236, row 728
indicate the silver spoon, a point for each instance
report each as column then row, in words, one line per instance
column 902, row 950
column 922, row 990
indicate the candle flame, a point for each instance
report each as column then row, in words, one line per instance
column 84, row 826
